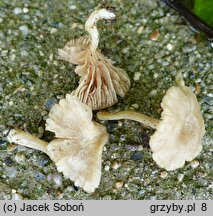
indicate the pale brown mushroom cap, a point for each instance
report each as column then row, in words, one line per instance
column 100, row 81
column 179, row 133
column 77, row 151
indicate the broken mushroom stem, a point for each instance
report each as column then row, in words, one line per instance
column 26, row 139
column 91, row 28
column 135, row 116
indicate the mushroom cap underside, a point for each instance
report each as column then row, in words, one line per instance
column 71, row 119
column 179, row 134
column 78, row 150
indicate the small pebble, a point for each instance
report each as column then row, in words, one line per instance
column 154, row 35
column 13, row 190
column 16, row 196
column 169, row 47
column 141, row 192
column 137, row 76
column 194, row 164
column 115, row 155
column 74, row 25
column 116, row 165
column 180, row 177
column 41, row 53
column 4, row 52
column 114, row 190
column 156, row 75
column 17, row 10
column 119, row 184
column 136, row 156
column 24, row 30
column 153, row 93
column 122, row 137
column 11, row 147
column 146, row 182
column 53, row 30
column 8, row 161
column 69, row 189
column 106, row 168
column 51, row 57
column 57, row 178
column 125, row 50
column 24, row 53
column 26, row 17
column 50, row 103
column 202, row 182
column 107, row 197
column 20, row 158
column 44, row 113
column 11, row 172
column 39, row 176
column 12, row 57
column 210, row 186
column 135, row 106
column 197, row 88
column 140, row 148
column 10, row 103
column 112, row 125
column 40, row 131
column 120, row 124
column 25, row 10
column 72, row 7
column 163, row 174
column 140, row 29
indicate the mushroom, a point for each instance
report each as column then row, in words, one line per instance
column 178, row 134
column 77, row 149
column 100, row 81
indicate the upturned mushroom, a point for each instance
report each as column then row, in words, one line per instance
column 100, row 81
column 178, row 134
column 77, row 149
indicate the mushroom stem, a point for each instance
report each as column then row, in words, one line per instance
column 91, row 28
column 23, row 138
column 144, row 119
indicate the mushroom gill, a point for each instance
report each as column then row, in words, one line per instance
column 178, row 135
column 77, row 149
column 100, row 81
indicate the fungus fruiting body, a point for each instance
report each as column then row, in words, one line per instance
column 179, row 133
column 100, row 81
column 77, row 149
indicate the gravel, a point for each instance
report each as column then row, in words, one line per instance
column 152, row 43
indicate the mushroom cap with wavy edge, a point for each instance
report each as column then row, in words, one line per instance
column 100, row 81
column 77, row 150
column 179, row 134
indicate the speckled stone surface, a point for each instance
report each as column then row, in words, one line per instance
column 152, row 43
